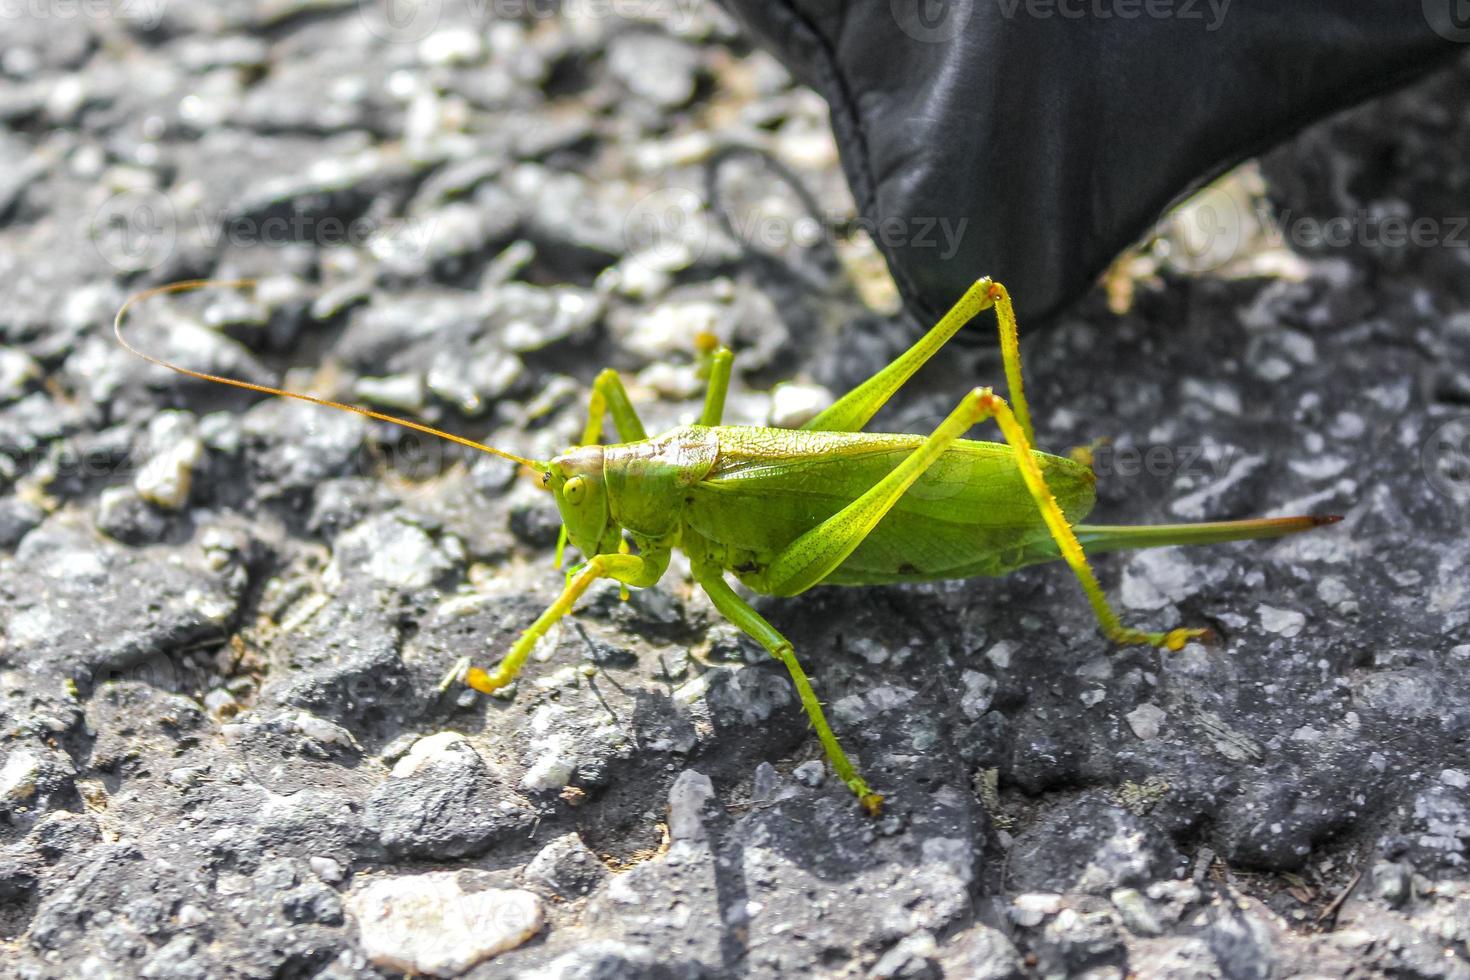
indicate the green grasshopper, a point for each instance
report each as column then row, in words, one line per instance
column 826, row 504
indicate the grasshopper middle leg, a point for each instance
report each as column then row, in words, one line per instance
column 739, row 612
column 813, row 556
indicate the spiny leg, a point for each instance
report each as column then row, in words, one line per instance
column 739, row 612
column 636, row 570
column 1066, row 539
column 813, row 556
column 852, row 411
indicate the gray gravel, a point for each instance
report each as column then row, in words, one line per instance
column 224, row 751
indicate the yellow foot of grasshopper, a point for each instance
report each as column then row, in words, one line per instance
column 486, row 682
column 1173, row 640
column 824, row 505
column 872, row 803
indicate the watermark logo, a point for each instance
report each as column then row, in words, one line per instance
column 1450, row 19
column 1445, row 459
column 135, row 230
column 401, row 21
column 932, row 21
column 1203, row 234
column 667, row 228
column 411, row 461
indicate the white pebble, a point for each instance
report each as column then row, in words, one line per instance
column 1287, row 622
column 553, row 767
column 428, row 924
column 427, row 749
column 167, row 476
column 687, row 798
column 1146, row 720
column 793, row 405
column 19, row 775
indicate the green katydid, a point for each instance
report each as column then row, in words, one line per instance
column 787, row 509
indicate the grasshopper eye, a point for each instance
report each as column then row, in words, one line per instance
column 573, row 490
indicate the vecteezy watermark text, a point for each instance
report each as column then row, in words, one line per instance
column 145, row 13
column 1210, row 13
column 941, row 21
column 410, row 21
column 138, row 230
column 772, row 232
column 1196, row 462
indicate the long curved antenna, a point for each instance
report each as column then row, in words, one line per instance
column 193, row 284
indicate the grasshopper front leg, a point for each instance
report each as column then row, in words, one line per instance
column 639, row 571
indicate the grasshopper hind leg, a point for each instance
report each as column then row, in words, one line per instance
column 1070, row 548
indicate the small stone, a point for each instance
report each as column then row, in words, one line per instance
column 766, row 786
column 426, row 750
column 687, row 799
column 554, row 765
column 17, row 519
column 400, row 391
column 654, row 67
column 1137, row 916
column 393, row 551
column 1001, row 653
column 429, row 924
column 1031, row 909
column 604, row 958
column 19, row 776
column 567, row 867
column 326, row 868
column 810, row 773
column 452, row 47
column 123, row 515
column 175, row 450
column 1391, row 883
column 192, row 915
column 1286, row 622
column 912, row 957
column 979, row 692
column 221, row 703
column 793, row 405
column 17, row 370
column 444, row 802
column 1146, row 720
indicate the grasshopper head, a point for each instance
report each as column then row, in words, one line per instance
column 575, row 480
